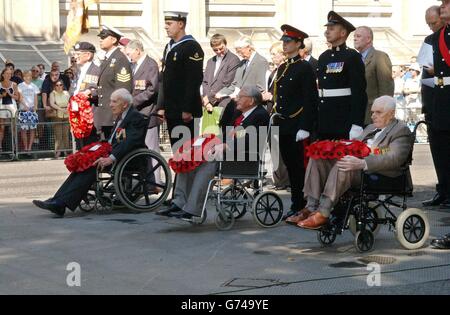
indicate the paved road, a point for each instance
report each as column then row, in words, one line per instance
column 127, row 253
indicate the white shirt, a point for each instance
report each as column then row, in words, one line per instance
column 371, row 142
column 28, row 91
column 248, row 113
column 138, row 64
column 109, row 53
column 83, row 70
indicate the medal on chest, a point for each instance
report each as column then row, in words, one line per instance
column 335, row 67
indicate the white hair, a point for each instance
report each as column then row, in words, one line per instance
column 253, row 92
column 136, row 44
column 124, row 95
column 388, row 102
column 243, row 42
column 308, row 45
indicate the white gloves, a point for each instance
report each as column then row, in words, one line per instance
column 302, row 135
column 356, row 132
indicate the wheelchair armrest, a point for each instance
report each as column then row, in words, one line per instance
column 384, row 185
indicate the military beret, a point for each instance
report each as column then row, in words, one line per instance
column 85, row 46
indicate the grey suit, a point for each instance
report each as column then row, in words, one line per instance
column 323, row 178
column 379, row 78
column 253, row 74
column 223, row 78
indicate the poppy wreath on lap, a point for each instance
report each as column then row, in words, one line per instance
column 86, row 157
column 336, row 150
column 81, row 117
column 193, row 154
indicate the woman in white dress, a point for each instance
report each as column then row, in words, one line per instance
column 9, row 96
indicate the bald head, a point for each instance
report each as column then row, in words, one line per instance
column 433, row 18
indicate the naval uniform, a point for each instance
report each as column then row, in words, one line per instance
column 342, row 92
column 296, row 99
column 440, row 109
column 181, row 80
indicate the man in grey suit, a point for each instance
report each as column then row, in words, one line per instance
column 306, row 54
column 327, row 180
column 378, row 68
column 145, row 86
column 219, row 73
column 252, row 72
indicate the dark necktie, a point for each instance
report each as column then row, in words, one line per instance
column 245, row 67
column 371, row 135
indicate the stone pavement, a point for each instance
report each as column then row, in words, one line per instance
column 127, row 253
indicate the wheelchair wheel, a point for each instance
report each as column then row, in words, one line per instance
column 88, row 203
column 229, row 197
column 412, row 229
column 364, row 241
column 373, row 214
column 326, row 237
column 268, row 210
column 135, row 182
column 224, row 220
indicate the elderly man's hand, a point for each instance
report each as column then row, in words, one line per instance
column 103, row 162
column 351, row 163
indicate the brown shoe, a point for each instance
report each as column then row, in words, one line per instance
column 314, row 222
column 300, row 216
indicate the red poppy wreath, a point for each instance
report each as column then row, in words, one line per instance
column 336, row 150
column 81, row 117
column 85, row 159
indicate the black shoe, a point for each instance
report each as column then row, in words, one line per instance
column 442, row 243
column 436, row 201
column 445, row 204
column 51, row 206
column 184, row 216
column 168, row 212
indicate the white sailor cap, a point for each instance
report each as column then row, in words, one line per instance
column 175, row 15
column 110, row 31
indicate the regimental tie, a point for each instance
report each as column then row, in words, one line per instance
column 238, row 121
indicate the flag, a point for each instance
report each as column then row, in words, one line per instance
column 77, row 22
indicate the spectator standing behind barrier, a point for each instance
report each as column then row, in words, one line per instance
column 411, row 91
column 378, row 68
column 42, row 74
column 36, row 80
column 59, row 101
column 306, row 54
column 56, row 66
column 9, row 95
column 28, row 118
column 73, row 83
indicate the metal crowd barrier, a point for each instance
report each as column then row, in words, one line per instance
column 7, row 144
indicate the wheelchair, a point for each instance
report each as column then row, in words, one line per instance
column 131, row 184
column 364, row 210
column 246, row 194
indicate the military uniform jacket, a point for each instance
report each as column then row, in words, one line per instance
column 427, row 92
column 182, row 78
column 115, row 73
column 341, row 68
column 296, row 96
column 145, row 89
column 440, row 113
column 90, row 80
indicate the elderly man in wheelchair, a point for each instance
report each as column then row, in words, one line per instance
column 128, row 164
column 328, row 182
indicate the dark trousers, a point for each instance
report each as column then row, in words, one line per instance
column 292, row 153
column 440, row 150
column 76, row 187
column 174, row 123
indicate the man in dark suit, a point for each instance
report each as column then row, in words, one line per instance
column 88, row 73
column 306, row 54
column 115, row 73
column 191, row 188
column 145, row 89
column 296, row 99
column 180, row 100
column 77, row 185
column 219, row 73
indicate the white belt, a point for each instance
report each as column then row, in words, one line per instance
column 335, row 92
column 442, row 81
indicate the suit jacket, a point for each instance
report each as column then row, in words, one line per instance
column 255, row 75
column 379, row 78
column 145, row 84
column 314, row 64
column 396, row 145
column 115, row 73
column 90, row 80
column 224, row 77
column 135, row 126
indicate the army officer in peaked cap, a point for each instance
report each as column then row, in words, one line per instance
column 115, row 73
column 342, row 84
column 295, row 97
